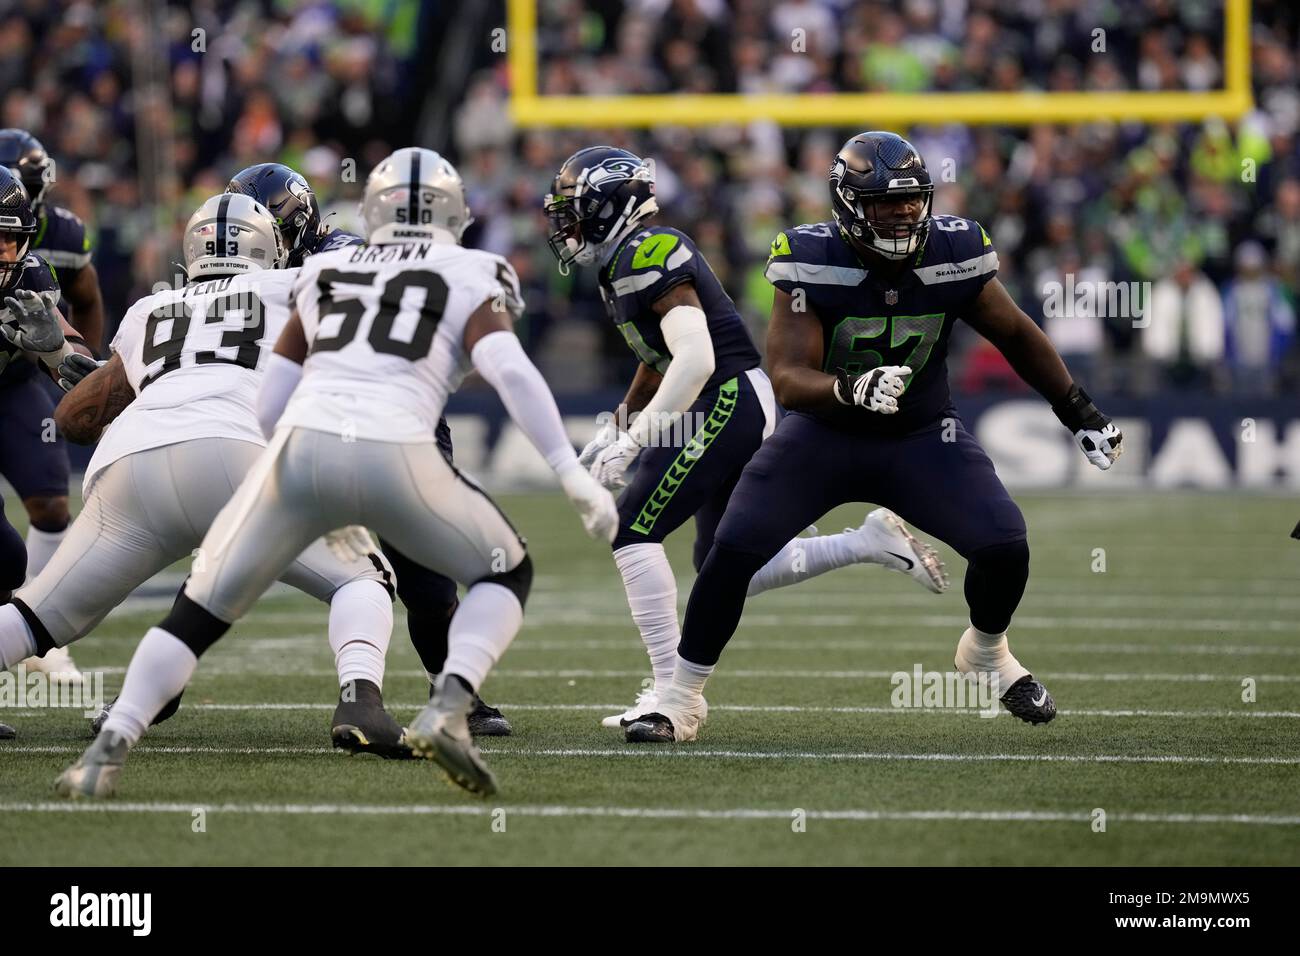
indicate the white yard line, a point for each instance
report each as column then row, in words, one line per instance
column 221, row 670
column 691, row 752
column 649, row 813
column 774, row 709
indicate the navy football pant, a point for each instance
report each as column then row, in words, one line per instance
column 694, row 477
column 429, row 597
column 13, row 558
column 946, row 489
column 37, row 468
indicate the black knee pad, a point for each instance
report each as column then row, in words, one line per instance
column 40, row 633
column 194, row 627
column 518, row 580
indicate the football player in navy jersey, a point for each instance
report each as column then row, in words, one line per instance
column 39, row 469
column 703, row 408
column 863, row 310
column 430, row 598
column 30, row 327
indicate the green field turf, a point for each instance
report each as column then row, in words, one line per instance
column 1146, row 662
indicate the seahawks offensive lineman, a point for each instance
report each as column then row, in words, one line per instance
column 430, row 598
column 31, row 329
column 37, row 467
column 862, row 369
column 704, row 405
column 380, row 336
column 176, row 408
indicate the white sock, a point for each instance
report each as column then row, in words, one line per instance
column 652, row 596
column 691, row 677
column 160, row 668
column 361, row 626
column 804, row 558
column 482, row 628
column 41, row 546
column 16, row 642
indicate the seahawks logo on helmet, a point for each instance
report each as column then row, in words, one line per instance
column 617, row 170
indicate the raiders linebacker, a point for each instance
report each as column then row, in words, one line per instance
column 380, row 336
column 703, row 406
column 174, row 413
column 862, row 367
column 430, row 598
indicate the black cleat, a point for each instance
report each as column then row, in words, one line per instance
column 484, row 720
column 168, row 711
column 361, row 725
column 650, row 729
column 1029, row 700
column 7, row 732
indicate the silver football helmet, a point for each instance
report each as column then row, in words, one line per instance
column 414, row 194
column 231, row 233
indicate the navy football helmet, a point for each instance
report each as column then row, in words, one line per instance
column 876, row 166
column 17, row 220
column 291, row 201
column 23, row 153
column 600, row 194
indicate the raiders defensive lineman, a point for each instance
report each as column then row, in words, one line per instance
column 174, row 413
column 430, row 598
column 703, row 407
column 380, row 336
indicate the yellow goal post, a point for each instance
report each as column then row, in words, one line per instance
column 528, row 109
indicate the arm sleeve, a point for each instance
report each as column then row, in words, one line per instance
column 686, row 333
column 500, row 359
column 278, row 383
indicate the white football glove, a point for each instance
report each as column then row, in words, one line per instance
column 594, row 504
column 1103, row 446
column 876, row 391
column 350, row 543
column 613, row 461
column 31, row 323
column 607, row 435
column 1096, row 435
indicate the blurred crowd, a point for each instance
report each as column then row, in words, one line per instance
column 1193, row 228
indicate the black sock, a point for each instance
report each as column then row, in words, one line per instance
column 716, row 603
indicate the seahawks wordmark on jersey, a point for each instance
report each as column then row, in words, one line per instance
column 878, row 318
column 649, row 264
column 194, row 358
column 385, row 327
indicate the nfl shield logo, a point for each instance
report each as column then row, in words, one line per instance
column 891, row 297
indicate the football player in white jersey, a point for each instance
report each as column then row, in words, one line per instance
column 176, row 406
column 380, row 336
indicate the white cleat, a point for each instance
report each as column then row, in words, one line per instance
column 677, row 718
column 440, row 733
column 95, row 773
column 894, row 547
column 646, row 703
column 58, row 664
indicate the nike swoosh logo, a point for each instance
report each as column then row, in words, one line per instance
column 1041, row 700
column 910, row 563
